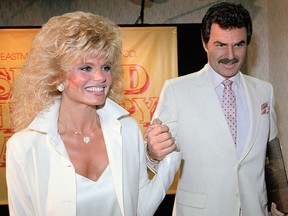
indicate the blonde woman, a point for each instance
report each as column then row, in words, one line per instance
column 75, row 150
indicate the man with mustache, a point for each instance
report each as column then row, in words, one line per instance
column 223, row 161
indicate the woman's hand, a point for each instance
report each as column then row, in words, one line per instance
column 159, row 140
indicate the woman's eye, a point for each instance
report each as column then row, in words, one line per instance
column 106, row 68
column 86, row 68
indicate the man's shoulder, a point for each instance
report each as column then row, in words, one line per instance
column 256, row 81
column 188, row 78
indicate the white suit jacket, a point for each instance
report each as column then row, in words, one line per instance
column 214, row 180
column 41, row 178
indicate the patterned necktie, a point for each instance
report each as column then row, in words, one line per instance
column 229, row 107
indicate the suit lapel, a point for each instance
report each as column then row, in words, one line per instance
column 254, row 107
column 211, row 106
column 214, row 113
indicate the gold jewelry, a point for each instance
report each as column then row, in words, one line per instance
column 86, row 138
column 152, row 160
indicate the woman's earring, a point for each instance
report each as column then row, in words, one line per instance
column 61, row 87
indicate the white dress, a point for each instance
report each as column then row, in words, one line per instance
column 92, row 194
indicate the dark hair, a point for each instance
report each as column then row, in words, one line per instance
column 227, row 16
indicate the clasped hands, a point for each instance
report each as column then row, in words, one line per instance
column 159, row 140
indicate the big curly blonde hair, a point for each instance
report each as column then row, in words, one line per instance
column 58, row 45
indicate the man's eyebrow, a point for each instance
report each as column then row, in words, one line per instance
column 241, row 42
column 218, row 42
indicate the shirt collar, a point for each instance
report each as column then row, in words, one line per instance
column 218, row 79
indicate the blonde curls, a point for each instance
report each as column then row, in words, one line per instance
column 57, row 46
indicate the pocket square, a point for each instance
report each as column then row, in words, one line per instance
column 265, row 108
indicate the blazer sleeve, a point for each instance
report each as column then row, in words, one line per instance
column 166, row 109
column 152, row 192
column 18, row 191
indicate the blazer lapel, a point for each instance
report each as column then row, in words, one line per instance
column 254, row 107
column 211, row 106
column 214, row 113
column 111, row 131
column 46, row 122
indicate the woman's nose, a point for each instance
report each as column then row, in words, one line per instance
column 98, row 76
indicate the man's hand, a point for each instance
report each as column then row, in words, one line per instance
column 275, row 211
column 159, row 140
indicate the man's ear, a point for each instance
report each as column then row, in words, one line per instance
column 204, row 45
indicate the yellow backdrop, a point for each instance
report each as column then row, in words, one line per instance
column 149, row 58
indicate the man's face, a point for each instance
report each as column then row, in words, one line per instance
column 226, row 50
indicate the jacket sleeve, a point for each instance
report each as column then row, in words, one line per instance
column 152, row 192
column 166, row 111
column 18, row 191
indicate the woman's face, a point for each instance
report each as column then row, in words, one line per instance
column 88, row 82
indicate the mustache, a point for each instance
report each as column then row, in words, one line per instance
column 227, row 61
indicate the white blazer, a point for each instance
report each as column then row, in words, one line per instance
column 214, row 180
column 41, row 178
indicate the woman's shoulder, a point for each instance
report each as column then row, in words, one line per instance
column 23, row 140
